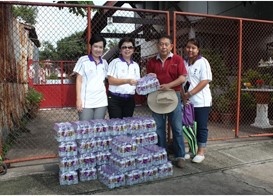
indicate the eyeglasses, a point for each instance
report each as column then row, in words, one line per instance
column 127, row 47
column 161, row 44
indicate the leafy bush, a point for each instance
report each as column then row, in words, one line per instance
column 218, row 68
column 251, row 76
column 33, row 97
column 223, row 103
column 53, row 76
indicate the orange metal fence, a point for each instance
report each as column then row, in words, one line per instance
column 238, row 50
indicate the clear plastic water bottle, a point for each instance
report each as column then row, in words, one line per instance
column 87, row 174
column 87, row 160
column 67, row 164
column 150, row 138
column 134, row 177
column 67, row 149
column 111, row 177
column 68, row 178
column 64, row 131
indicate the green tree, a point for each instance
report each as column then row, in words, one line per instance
column 112, row 42
column 48, row 51
column 68, row 48
column 27, row 13
column 76, row 10
column 72, row 47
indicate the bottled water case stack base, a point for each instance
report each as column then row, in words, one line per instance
column 117, row 152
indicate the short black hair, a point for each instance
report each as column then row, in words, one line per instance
column 126, row 39
column 194, row 41
column 96, row 39
column 165, row 36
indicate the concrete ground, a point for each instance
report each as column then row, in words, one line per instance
column 238, row 166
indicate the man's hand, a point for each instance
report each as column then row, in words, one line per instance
column 164, row 87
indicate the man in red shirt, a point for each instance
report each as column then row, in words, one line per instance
column 170, row 70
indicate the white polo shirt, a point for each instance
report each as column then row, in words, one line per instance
column 93, row 91
column 198, row 71
column 118, row 68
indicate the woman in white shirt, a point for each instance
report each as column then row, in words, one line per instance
column 199, row 76
column 123, row 74
column 91, row 72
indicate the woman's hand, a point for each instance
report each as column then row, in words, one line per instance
column 185, row 101
column 187, row 95
column 132, row 82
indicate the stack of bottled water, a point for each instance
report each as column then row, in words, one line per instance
column 142, row 130
column 144, row 158
column 87, row 174
column 110, row 176
column 159, row 154
column 122, row 161
column 68, row 162
column 147, row 84
column 64, row 131
column 124, row 146
column 136, row 155
column 100, row 127
column 83, row 129
column 68, row 178
column 117, row 152
column 117, row 127
column 83, row 145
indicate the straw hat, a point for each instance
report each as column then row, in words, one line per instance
column 162, row 102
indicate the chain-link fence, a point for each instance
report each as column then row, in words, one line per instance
column 239, row 54
column 39, row 59
column 59, row 38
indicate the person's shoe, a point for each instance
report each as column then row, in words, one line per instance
column 181, row 163
column 187, row 156
column 198, row 158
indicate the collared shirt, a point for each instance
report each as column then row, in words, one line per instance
column 170, row 70
column 93, row 91
column 119, row 68
column 198, row 71
column 92, row 59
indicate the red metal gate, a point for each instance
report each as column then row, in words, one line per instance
column 53, row 79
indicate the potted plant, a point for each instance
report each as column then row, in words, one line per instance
column 251, row 76
column 267, row 78
column 271, row 83
column 33, row 100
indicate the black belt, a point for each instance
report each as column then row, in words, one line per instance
column 121, row 95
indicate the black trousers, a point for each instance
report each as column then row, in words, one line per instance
column 120, row 107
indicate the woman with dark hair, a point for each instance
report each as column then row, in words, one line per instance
column 198, row 92
column 123, row 74
column 91, row 97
